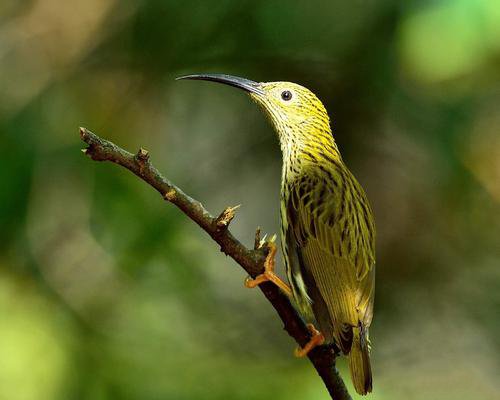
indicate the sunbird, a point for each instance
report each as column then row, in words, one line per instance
column 327, row 225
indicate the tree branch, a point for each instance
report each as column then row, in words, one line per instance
column 252, row 260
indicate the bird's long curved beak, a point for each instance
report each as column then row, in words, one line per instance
column 241, row 83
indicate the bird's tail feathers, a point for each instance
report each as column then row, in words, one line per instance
column 359, row 360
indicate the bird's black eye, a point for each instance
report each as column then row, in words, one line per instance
column 286, row 95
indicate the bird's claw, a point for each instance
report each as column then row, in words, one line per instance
column 268, row 274
column 317, row 339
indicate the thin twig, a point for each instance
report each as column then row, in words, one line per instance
column 252, row 260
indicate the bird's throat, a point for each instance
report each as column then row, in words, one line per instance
column 305, row 148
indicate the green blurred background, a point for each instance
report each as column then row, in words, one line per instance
column 107, row 292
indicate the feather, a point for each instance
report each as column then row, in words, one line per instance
column 330, row 244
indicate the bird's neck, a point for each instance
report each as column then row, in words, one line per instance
column 306, row 150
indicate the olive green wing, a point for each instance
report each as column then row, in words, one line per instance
column 331, row 237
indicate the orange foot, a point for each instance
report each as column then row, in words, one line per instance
column 268, row 274
column 317, row 339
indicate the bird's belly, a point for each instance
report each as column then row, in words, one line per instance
column 296, row 281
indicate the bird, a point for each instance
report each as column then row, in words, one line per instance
column 327, row 225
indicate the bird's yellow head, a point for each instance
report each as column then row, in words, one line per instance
column 297, row 114
column 291, row 108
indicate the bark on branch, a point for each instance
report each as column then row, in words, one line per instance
column 251, row 260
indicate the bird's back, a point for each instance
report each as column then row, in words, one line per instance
column 328, row 234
